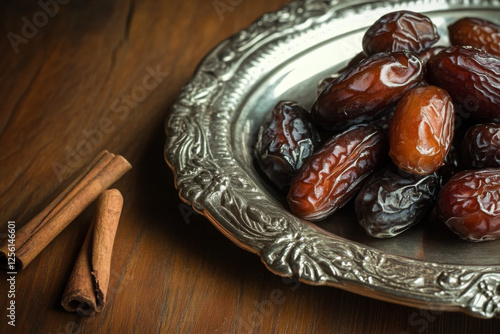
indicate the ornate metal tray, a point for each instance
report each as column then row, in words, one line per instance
column 212, row 129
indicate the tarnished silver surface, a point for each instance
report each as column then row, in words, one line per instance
column 212, row 129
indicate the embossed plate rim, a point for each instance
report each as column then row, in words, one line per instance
column 208, row 177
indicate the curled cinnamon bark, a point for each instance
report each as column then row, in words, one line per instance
column 88, row 284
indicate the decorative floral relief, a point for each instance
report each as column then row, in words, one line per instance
column 199, row 151
column 483, row 296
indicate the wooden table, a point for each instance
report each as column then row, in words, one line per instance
column 78, row 77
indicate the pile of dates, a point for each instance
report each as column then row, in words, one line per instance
column 404, row 129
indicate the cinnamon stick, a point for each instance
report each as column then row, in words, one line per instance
column 79, row 294
column 109, row 210
column 32, row 238
column 88, row 284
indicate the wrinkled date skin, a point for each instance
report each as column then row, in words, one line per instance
column 332, row 174
column 422, row 130
column 476, row 32
column 398, row 31
column 471, row 77
column 392, row 201
column 361, row 93
column 285, row 142
column 469, row 204
column 481, row 146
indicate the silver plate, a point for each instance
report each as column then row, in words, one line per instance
column 212, row 129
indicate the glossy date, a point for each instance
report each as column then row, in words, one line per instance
column 399, row 31
column 331, row 175
column 476, row 32
column 481, row 146
column 364, row 91
column 469, row 204
column 471, row 77
column 285, row 142
column 422, row 130
column 392, row 201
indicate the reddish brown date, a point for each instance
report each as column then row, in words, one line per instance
column 285, row 142
column 331, row 175
column 398, row 31
column 361, row 93
column 476, row 32
column 469, row 204
column 422, row 130
column 481, row 146
column 471, row 77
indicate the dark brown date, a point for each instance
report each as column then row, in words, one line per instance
column 285, row 142
column 481, row 146
column 392, row 201
column 422, row 130
column 361, row 93
column 332, row 174
column 476, row 32
column 471, row 77
column 398, row 31
column 469, row 204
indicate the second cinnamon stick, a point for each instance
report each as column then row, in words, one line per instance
column 88, row 284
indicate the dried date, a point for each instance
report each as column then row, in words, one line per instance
column 362, row 93
column 398, row 31
column 285, row 142
column 476, row 32
column 422, row 130
column 481, row 146
column 471, row 77
column 392, row 201
column 469, row 204
column 332, row 174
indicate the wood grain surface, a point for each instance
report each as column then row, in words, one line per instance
column 93, row 75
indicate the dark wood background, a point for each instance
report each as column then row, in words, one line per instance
column 172, row 271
